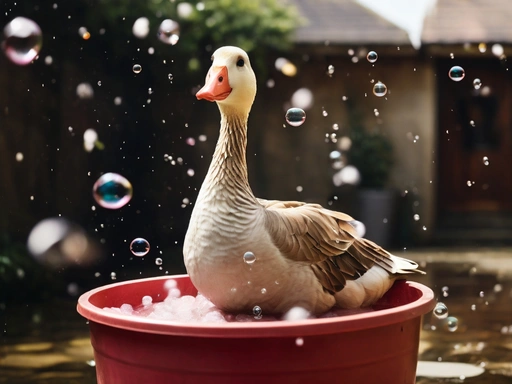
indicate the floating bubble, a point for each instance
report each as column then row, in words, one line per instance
column 263, row 291
column 344, row 143
column 380, row 89
column 19, row 156
column 302, row 98
column 295, row 117
column 191, row 172
column 452, row 323
column 57, row 242
column 299, row 188
column 170, row 76
column 169, row 32
column 137, row 68
column 347, row 175
column 257, row 312
column 296, row 314
column 112, row 191
column 482, row 47
column 359, row 227
column 158, row 261
column 84, row 91
column 440, row 311
column 23, row 40
column 118, row 100
column 271, row 83
column 113, row 275
column 249, row 258
column 456, row 73
column 485, row 160
column 497, row 50
column 372, row 56
column 139, row 247
column 184, row 10
column 335, row 155
column 147, row 300
column 299, row 341
column 330, row 70
column 140, row 28
column 84, row 33
column 48, row 60
column 190, row 141
column 477, row 83
column 416, row 217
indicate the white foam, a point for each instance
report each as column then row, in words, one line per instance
column 199, row 309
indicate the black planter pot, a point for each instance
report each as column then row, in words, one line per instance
column 377, row 210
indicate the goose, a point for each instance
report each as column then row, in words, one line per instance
column 249, row 254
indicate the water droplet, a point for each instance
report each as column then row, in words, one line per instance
column 140, row 28
column 158, row 261
column 330, row 70
column 372, row 56
column 299, row 341
column 477, row 83
column 299, row 188
column 452, row 323
column 295, row 117
column 139, row 247
column 473, row 307
column 257, row 312
column 481, row 294
column 113, row 276
column 169, row 32
column 23, row 40
column 263, row 290
column 498, row 288
column 112, row 191
column 441, row 311
column 19, row 156
column 170, row 76
column 137, row 68
column 482, row 47
column 147, row 300
column 249, row 258
column 416, row 217
column 456, row 73
column 118, row 100
column 485, row 160
column 191, row 172
column 380, row 89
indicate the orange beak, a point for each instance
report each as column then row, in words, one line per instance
column 217, row 86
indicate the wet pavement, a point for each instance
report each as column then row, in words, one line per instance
column 49, row 342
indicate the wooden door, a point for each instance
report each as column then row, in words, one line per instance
column 475, row 137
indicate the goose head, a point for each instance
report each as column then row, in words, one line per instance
column 230, row 81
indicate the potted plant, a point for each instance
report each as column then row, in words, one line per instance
column 371, row 152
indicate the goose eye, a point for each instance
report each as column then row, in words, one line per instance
column 240, row 63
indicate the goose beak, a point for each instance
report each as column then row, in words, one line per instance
column 217, row 85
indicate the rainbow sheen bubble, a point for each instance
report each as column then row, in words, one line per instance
column 23, row 40
column 295, row 117
column 139, row 247
column 372, row 56
column 169, row 32
column 380, row 89
column 456, row 73
column 112, row 191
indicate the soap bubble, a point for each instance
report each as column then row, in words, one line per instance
column 169, row 32
column 380, row 89
column 112, row 191
column 456, row 73
column 440, row 311
column 139, row 247
column 158, row 261
column 347, row 175
column 140, row 28
column 84, row 91
column 452, row 323
column 57, row 242
column 477, row 83
column 372, row 56
column 23, row 40
column 257, row 312
column 302, row 98
column 249, row 258
column 359, row 227
column 295, row 117
column 137, row 68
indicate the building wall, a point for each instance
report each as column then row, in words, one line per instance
column 282, row 158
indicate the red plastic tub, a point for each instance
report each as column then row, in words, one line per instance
column 372, row 347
